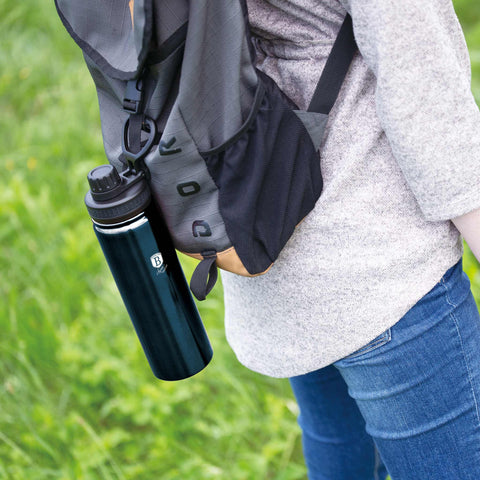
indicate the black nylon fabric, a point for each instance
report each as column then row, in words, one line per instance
column 268, row 180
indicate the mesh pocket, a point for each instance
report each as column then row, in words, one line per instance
column 268, row 178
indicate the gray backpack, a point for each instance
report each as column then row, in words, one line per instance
column 233, row 164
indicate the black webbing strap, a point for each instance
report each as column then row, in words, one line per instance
column 135, row 132
column 204, row 276
column 335, row 69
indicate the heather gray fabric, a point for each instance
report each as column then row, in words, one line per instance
column 399, row 158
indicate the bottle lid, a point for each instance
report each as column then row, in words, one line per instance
column 116, row 197
column 103, row 180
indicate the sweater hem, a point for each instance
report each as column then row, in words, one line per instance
column 307, row 365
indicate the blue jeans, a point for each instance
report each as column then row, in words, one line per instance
column 407, row 403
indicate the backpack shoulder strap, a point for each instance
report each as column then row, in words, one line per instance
column 335, row 69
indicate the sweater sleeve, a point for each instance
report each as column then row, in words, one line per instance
column 424, row 102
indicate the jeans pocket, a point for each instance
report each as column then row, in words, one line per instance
column 377, row 342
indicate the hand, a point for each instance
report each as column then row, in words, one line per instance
column 469, row 226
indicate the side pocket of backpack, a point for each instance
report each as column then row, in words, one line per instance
column 268, row 176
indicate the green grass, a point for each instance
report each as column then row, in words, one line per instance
column 77, row 398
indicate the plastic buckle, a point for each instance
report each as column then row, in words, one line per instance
column 133, row 96
column 152, row 132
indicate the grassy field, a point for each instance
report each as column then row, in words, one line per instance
column 77, row 398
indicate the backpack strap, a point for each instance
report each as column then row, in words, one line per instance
column 335, row 69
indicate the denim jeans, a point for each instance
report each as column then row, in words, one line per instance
column 407, row 403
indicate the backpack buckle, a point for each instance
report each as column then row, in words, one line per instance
column 133, row 97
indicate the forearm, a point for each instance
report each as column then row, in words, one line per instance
column 469, row 226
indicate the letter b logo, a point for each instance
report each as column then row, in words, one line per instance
column 157, row 260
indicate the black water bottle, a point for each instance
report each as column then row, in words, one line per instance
column 144, row 264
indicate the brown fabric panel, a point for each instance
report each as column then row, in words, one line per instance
column 229, row 260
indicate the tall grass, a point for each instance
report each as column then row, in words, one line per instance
column 77, row 398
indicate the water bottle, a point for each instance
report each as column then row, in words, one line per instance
column 144, row 264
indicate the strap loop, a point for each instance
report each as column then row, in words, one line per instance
column 205, row 276
column 132, row 130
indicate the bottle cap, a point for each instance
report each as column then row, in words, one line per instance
column 103, row 180
column 116, row 197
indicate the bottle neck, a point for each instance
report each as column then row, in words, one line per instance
column 130, row 224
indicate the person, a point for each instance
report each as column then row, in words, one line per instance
column 367, row 310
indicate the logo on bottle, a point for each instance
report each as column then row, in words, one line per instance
column 157, row 262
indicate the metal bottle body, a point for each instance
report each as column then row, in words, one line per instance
column 150, row 279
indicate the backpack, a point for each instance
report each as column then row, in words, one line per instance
column 232, row 162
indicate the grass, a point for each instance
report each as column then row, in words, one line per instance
column 77, row 398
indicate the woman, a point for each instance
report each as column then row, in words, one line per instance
column 367, row 310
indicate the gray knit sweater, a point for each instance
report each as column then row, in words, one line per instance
column 401, row 156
